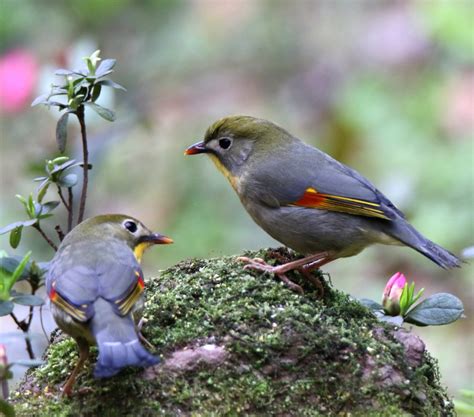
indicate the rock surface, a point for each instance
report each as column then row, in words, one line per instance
column 236, row 343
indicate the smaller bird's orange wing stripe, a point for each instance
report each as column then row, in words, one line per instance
column 125, row 304
column 79, row 313
column 314, row 199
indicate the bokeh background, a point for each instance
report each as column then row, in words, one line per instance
column 386, row 87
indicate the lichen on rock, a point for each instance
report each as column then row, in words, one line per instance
column 235, row 343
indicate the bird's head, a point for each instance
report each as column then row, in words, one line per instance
column 120, row 227
column 232, row 141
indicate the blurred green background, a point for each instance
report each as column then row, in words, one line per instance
column 385, row 87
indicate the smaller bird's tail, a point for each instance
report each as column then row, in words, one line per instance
column 118, row 342
column 407, row 234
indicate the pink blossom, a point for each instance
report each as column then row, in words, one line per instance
column 18, row 74
column 392, row 293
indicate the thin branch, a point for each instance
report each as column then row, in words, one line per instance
column 71, row 206
column 85, row 168
column 50, row 242
column 45, row 333
column 60, row 192
column 60, row 232
column 17, row 322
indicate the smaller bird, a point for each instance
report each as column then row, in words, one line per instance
column 95, row 286
column 304, row 198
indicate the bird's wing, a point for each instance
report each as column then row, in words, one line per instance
column 116, row 277
column 309, row 178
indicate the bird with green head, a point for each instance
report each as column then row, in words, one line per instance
column 304, row 198
column 95, row 286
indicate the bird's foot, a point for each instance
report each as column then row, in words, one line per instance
column 259, row 264
column 304, row 266
column 142, row 338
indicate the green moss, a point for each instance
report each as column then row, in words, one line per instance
column 287, row 355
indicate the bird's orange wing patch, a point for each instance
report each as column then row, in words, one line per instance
column 81, row 312
column 314, row 199
column 125, row 303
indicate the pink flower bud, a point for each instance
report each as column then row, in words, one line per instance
column 392, row 293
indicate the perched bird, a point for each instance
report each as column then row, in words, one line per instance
column 304, row 198
column 95, row 286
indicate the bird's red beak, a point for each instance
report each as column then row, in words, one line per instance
column 199, row 147
column 157, row 239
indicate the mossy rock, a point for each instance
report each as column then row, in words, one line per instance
column 237, row 343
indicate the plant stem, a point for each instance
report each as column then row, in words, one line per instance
column 24, row 327
column 60, row 232
column 60, row 192
column 50, row 242
column 85, row 168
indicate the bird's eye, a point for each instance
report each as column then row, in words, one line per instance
column 225, row 143
column 130, row 226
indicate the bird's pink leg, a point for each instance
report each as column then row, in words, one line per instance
column 83, row 355
column 305, row 265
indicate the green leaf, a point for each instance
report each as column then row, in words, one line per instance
column 42, row 189
column 112, row 84
column 68, row 181
column 30, row 207
column 439, row 309
column 49, row 207
column 63, row 72
column 15, row 236
column 371, row 304
column 28, row 300
column 102, row 111
column 61, row 132
column 42, row 99
column 96, row 92
column 6, row 408
column 105, row 67
column 60, row 160
column 12, row 226
column 404, row 300
column 417, row 296
column 9, row 264
column 22, row 199
column 6, row 307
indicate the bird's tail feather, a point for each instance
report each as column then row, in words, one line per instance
column 117, row 341
column 411, row 237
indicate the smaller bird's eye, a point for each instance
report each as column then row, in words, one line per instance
column 225, row 143
column 130, row 226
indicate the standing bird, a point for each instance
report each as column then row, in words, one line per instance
column 304, row 198
column 95, row 286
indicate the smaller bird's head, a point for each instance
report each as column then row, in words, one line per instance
column 233, row 140
column 119, row 227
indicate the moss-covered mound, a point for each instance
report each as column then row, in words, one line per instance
column 240, row 343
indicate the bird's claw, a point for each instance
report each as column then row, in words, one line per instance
column 259, row 264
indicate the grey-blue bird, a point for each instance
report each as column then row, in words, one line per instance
column 95, row 285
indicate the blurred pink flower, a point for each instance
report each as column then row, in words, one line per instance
column 18, row 74
column 392, row 293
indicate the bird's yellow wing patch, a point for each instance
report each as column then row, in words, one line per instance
column 125, row 303
column 81, row 312
column 314, row 199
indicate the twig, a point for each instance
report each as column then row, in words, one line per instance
column 50, row 242
column 85, row 168
column 24, row 326
column 60, row 192
column 45, row 333
column 60, row 232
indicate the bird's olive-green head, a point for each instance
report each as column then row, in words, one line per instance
column 234, row 140
column 109, row 227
